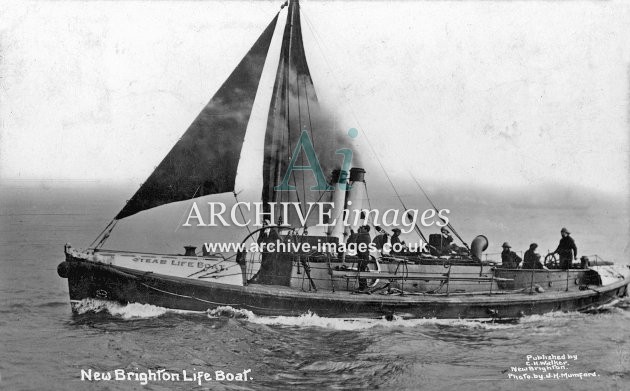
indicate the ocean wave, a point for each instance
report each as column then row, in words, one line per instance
column 52, row 304
column 615, row 307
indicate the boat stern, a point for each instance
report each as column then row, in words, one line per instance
column 611, row 274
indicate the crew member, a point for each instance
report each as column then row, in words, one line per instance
column 380, row 239
column 395, row 241
column 262, row 236
column 531, row 260
column 445, row 241
column 567, row 250
column 363, row 240
column 509, row 259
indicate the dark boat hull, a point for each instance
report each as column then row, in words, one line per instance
column 92, row 280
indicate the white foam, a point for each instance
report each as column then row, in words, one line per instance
column 549, row 317
column 313, row 320
column 309, row 319
column 125, row 311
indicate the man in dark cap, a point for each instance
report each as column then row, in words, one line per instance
column 567, row 250
column 509, row 259
column 531, row 260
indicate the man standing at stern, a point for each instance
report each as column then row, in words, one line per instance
column 567, row 250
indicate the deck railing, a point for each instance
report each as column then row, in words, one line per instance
column 327, row 271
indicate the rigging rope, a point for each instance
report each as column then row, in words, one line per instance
column 240, row 210
column 106, row 235
column 99, row 235
column 437, row 211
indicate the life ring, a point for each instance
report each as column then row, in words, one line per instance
column 378, row 269
column 371, row 282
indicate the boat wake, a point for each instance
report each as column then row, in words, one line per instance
column 124, row 311
column 144, row 311
column 347, row 324
column 133, row 311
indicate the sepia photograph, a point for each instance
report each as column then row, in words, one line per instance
column 314, row 194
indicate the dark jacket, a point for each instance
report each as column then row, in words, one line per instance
column 566, row 245
column 380, row 240
column 262, row 236
column 509, row 259
column 445, row 243
column 393, row 240
column 363, row 237
column 531, row 260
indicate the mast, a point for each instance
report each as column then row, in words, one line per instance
column 295, row 114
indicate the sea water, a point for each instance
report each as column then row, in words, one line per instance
column 43, row 346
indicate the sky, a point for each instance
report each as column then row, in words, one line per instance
column 503, row 94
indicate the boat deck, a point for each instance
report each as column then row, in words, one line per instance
column 88, row 279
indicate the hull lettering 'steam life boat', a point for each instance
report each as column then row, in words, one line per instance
column 266, row 147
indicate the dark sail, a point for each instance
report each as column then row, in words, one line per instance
column 205, row 159
column 294, row 109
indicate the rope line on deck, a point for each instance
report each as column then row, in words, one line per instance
column 202, row 300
